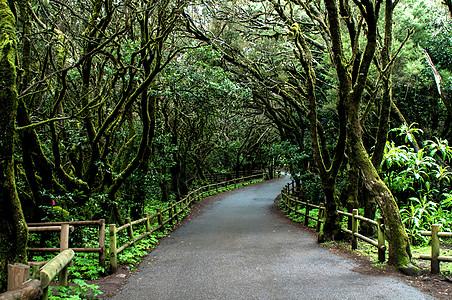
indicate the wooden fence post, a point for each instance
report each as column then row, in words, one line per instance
column 130, row 229
column 113, row 253
column 435, row 249
column 64, row 244
column 170, row 215
column 102, row 243
column 17, row 275
column 381, row 240
column 148, row 222
column 306, row 218
column 320, row 217
column 64, row 237
column 354, row 229
column 175, row 213
column 160, row 219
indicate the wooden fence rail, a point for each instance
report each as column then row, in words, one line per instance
column 435, row 258
column 64, row 237
column 57, row 266
column 168, row 215
column 292, row 203
column 26, row 289
column 354, row 232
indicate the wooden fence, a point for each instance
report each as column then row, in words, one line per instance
column 435, row 258
column 20, row 287
column 168, row 215
column 292, row 203
column 379, row 243
column 64, row 236
column 23, row 288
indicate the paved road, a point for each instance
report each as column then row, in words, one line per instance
column 239, row 249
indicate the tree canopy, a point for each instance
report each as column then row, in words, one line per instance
column 110, row 106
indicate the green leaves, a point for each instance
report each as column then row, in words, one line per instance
column 85, row 266
column 81, row 290
column 422, row 177
column 408, row 132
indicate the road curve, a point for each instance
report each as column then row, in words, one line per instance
column 239, row 249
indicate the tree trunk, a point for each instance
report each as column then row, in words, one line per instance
column 384, row 116
column 331, row 229
column 328, row 169
column 351, row 201
column 13, row 228
column 399, row 246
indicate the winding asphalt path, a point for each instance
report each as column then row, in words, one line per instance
column 239, row 249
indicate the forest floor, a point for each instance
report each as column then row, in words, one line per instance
column 438, row 286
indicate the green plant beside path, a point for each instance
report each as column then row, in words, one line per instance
column 421, row 181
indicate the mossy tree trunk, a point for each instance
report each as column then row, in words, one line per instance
column 399, row 246
column 352, row 91
column 328, row 170
column 384, row 111
column 351, row 201
column 13, row 229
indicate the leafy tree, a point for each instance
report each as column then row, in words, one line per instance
column 290, row 86
column 424, row 60
column 276, row 81
column 82, row 138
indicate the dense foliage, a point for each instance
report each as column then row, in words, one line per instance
column 124, row 106
column 420, row 179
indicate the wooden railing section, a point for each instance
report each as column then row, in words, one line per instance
column 64, row 228
column 292, row 203
column 435, row 258
column 20, row 287
column 163, row 217
column 379, row 243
